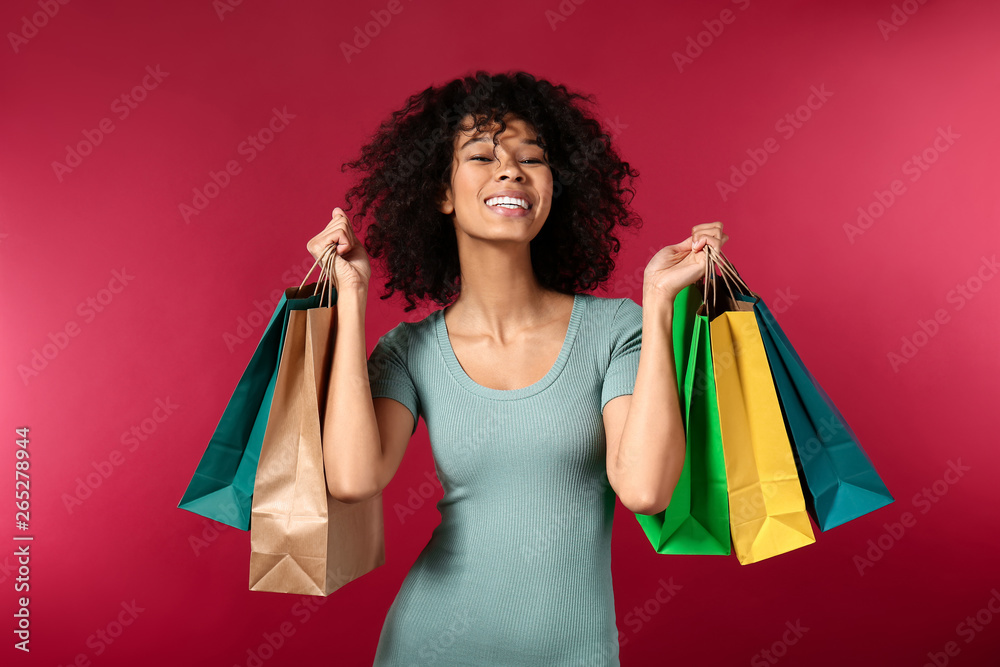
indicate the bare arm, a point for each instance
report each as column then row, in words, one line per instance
column 363, row 439
column 645, row 432
column 646, row 441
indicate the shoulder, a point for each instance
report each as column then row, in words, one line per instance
column 613, row 311
column 394, row 343
column 404, row 335
column 614, row 321
column 626, row 328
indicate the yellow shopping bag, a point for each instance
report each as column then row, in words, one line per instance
column 767, row 509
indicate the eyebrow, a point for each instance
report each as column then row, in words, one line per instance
column 530, row 142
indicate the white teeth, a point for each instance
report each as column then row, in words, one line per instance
column 507, row 202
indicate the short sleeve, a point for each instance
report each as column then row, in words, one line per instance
column 625, row 344
column 388, row 372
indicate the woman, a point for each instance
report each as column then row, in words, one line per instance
column 497, row 196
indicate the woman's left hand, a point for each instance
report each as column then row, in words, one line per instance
column 676, row 266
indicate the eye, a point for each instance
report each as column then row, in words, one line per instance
column 487, row 158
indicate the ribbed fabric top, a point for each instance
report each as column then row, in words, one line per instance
column 518, row 572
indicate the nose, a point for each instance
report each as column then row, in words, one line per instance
column 509, row 169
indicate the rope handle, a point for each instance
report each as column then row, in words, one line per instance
column 326, row 278
column 730, row 277
column 728, row 272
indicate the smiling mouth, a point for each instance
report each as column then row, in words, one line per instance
column 509, row 202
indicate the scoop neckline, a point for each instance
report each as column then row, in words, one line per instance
column 451, row 359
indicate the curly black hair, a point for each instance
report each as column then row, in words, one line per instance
column 592, row 185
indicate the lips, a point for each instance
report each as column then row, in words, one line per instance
column 504, row 201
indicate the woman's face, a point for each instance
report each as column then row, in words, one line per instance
column 504, row 194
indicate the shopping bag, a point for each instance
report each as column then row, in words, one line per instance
column 222, row 485
column 303, row 540
column 697, row 519
column 767, row 508
column 840, row 479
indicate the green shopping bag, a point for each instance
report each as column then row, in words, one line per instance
column 697, row 519
column 222, row 485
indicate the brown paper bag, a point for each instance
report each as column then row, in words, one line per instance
column 302, row 540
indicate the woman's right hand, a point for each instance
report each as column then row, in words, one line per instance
column 351, row 268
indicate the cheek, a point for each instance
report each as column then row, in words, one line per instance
column 545, row 181
column 467, row 191
column 547, row 190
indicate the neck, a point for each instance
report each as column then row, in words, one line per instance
column 500, row 295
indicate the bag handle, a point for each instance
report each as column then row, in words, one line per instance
column 729, row 271
column 326, row 276
column 730, row 277
column 710, row 286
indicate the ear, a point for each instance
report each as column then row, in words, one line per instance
column 445, row 202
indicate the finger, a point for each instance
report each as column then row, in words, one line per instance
column 319, row 246
column 709, row 235
column 683, row 246
column 337, row 235
column 341, row 241
column 345, row 222
column 338, row 217
column 713, row 241
column 700, row 241
column 707, row 226
column 698, row 258
column 716, row 241
column 340, row 231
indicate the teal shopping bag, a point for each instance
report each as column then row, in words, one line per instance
column 697, row 519
column 222, row 485
column 841, row 480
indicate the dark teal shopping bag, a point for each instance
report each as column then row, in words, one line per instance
column 222, row 485
column 841, row 480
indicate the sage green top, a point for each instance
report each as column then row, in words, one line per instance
column 518, row 572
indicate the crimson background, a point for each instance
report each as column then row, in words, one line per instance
column 851, row 298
